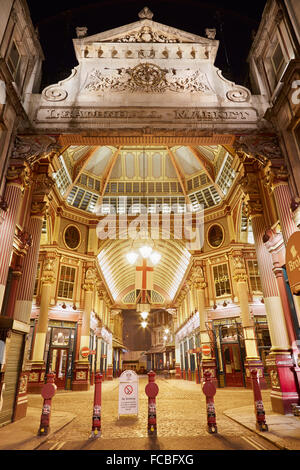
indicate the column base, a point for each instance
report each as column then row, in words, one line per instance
column 109, row 375
column 81, row 380
column 189, row 374
column 210, row 364
column 283, row 382
column 36, row 378
column 197, row 375
column 251, row 364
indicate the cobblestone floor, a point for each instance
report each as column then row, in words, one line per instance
column 181, row 410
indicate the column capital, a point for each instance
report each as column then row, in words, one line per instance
column 253, row 208
column 18, row 174
column 48, row 274
column 38, row 208
column 239, row 271
column 90, row 280
column 275, row 176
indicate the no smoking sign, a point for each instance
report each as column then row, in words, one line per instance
column 128, row 389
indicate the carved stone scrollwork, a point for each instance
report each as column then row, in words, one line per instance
column 262, row 148
column 238, row 95
column 55, row 93
column 148, row 78
column 32, row 148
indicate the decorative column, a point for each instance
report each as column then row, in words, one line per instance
column 177, row 358
column 280, row 361
column 109, row 354
column 37, row 374
column 82, row 366
column 277, row 182
column 42, row 186
column 15, row 179
column 208, row 362
column 25, row 242
column 253, row 360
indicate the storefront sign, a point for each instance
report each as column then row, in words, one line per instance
column 293, row 262
column 206, row 350
column 128, row 393
column 85, row 352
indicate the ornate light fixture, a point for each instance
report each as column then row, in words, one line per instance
column 146, row 252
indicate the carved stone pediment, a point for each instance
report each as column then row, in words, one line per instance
column 144, row 31
column 147, row 78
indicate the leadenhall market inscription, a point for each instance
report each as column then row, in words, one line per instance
column 45, row 114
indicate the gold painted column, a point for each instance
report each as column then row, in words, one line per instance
column 38, row 365
column 253, row 360
column 208, row 362
column 82, row 366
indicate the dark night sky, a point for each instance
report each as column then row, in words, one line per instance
column 58, row 21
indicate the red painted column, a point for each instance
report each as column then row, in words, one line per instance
column 12, row 197
column 283, row 201
column 16, row 275
column 280, row 361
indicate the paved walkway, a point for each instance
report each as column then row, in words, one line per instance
column 181, row 413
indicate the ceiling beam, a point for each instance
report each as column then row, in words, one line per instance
column 179, row 174
column 79, row 167
column 108, row 171
column 207, row 167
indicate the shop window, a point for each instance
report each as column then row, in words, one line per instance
column 221, row 279
column 66, row 282
column 254, row 276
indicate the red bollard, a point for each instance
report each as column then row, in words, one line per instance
column 209, row 390
column 48, row 391
column 151, row 390
column 96, row 426
column 261, row 424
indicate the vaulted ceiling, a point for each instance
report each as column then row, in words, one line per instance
column 97, row 179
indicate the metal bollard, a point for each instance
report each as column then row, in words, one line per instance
column 96, row 426
column 209, row 390
column 48, row 391
column 261, row 424
column 151, row 390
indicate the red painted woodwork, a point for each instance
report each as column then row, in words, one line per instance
column 232, row 365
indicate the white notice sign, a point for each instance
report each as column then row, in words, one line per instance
column 128, row 393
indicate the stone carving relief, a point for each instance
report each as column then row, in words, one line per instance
column 262, row 148
column 146, row 34
column 147, row 78
column 32, row 148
